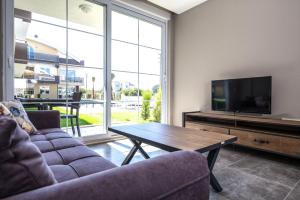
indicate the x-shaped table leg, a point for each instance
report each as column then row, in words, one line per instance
column 211, row 159
column 138, row 145
column 135, row 148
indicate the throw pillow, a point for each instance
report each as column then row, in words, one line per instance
column 22, row 165
column 4, row 111
column 17, row 110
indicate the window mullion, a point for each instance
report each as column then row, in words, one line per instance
column 138, row 69
column 107, row 68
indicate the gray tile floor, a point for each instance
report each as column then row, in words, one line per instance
column 244, row 174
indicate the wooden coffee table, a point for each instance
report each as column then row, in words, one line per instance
column 173, row 138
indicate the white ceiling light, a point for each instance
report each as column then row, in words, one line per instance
column 177, row 6
column 86, row 8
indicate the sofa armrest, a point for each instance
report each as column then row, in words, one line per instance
column 44, row 119
column 179, row 175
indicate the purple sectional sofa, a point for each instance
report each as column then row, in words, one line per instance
column 81, row 173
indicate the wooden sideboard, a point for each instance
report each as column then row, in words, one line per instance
column 263, row 133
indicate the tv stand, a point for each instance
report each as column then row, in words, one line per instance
column 259, row 132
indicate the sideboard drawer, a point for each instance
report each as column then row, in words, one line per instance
column 257, row 140
column 205, row 127
column 284, row 145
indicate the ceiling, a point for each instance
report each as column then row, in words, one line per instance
column 56, row 9
column 177, row 6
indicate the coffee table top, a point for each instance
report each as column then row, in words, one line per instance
column 173, row 138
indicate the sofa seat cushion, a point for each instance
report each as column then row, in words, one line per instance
column 67, row 157
column 63, row 172
column 81, row 167
column 53, row 139
column 91, row 165
column 53, row 158
column 75, row 153
column 75, row 162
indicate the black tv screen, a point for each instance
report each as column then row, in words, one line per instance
column 246, row 95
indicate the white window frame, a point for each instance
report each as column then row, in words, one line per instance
column 7, row 45
column 129, row 11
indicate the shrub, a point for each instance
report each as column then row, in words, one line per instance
column 132, row 92
column 157, row 107
column 145, row 114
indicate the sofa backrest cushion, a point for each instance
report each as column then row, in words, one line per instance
column 22, row 166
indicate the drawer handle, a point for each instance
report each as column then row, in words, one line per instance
column 204, row 129
column 261, row 141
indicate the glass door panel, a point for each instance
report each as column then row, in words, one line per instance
column 39, row 54
column 85, row 65
column 58, row 57
column 136, row 69
column 125, row 92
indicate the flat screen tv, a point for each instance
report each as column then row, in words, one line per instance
column 245, row 95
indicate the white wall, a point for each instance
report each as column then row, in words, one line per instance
column 223, row 39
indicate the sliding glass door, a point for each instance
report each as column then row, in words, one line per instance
column 136, row 69
column 69, row 54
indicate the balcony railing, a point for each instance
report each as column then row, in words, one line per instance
column 91, row 117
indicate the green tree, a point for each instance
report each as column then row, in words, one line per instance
column 145, row 114
column 126, row 92
column 132, row 92
column 157, row 107
column 82, row 90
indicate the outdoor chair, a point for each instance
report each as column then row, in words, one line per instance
column 74, row 112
